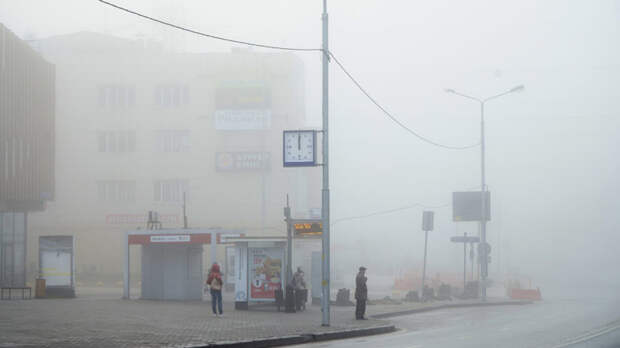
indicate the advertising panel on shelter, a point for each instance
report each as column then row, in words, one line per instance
column 265, row 272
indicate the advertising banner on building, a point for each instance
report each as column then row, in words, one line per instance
column 265, row 272
column 230, row 119
column 242, row 106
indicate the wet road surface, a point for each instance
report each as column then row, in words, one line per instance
column 557, row 322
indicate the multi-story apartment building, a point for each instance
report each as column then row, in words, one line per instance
column 140, row 127
column 26, row 148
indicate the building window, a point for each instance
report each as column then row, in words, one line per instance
column 116, row 191
column 170, row 190
column 171, row 95
column 117, row 96
column 116, row 141
column 172, row 140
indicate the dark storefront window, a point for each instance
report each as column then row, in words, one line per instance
column 12, row 249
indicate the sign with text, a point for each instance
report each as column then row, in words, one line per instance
column 170, row 239
column 428, row 218
column 467, row 206
column 242, row 161
column 464, row 239
column 228, row 119
column 309, row 227
column 242, row 105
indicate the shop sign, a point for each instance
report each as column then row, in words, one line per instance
column 170, row 239
column 242, row 161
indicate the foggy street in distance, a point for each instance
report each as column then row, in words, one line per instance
column 185, row 173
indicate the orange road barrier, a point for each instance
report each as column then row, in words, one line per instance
column 525, row 294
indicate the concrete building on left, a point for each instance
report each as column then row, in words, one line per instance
column 27, row 118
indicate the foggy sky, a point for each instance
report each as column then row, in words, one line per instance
column 552, row 156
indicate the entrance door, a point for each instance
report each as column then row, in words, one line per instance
column 195, row 281
column 56, row 267
column 172, row 272
column 175, row 272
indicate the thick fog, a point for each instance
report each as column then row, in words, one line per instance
column 552, row 150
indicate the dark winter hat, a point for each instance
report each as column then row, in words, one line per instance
column 362, row 268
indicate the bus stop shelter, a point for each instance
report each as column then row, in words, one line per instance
column 172, row 261
column 259, row 268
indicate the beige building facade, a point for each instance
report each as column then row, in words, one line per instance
column 139, row 128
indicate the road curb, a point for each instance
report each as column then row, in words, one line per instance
column 448, row 305
column 304, row 338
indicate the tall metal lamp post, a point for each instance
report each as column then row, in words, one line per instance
column 483, row 230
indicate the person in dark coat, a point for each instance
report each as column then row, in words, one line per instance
column 361, row 294
column 215, row 283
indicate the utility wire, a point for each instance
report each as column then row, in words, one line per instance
column 389, row 211
column 391, row 116
column 208, row 35
column 329, row 53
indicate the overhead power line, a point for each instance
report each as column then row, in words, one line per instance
column 208, row 35
column 388, row 114
column 389, row 211
column 340, row 65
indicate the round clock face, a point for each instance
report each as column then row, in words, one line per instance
column 299, row 147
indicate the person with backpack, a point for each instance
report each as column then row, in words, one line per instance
column 215, row 285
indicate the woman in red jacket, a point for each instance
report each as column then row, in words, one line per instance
column 215, row 283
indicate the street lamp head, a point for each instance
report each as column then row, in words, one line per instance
column 518, row 88
column 449, row 90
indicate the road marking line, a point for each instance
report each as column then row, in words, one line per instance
column 590, row 335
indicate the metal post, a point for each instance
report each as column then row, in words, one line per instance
column 184, row 216
column 483, row 253
column 325, row 192
column 289, row 296
column 289, row 242
column 464, row 262
column 471, row 259
column 483, row 223
column 126, row 294
column 213, row 250
column 424, row 267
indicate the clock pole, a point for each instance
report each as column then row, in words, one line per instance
column 325, row 286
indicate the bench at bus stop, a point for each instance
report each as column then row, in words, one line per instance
column 11, row 289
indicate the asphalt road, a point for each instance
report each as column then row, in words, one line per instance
column 568, row 321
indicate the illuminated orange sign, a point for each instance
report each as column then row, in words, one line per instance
column 308, row 228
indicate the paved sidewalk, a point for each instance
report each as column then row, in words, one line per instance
column 107, row 321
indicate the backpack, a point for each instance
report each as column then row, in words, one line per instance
column 216, row 284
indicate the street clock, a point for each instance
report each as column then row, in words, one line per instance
column 299, row 148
